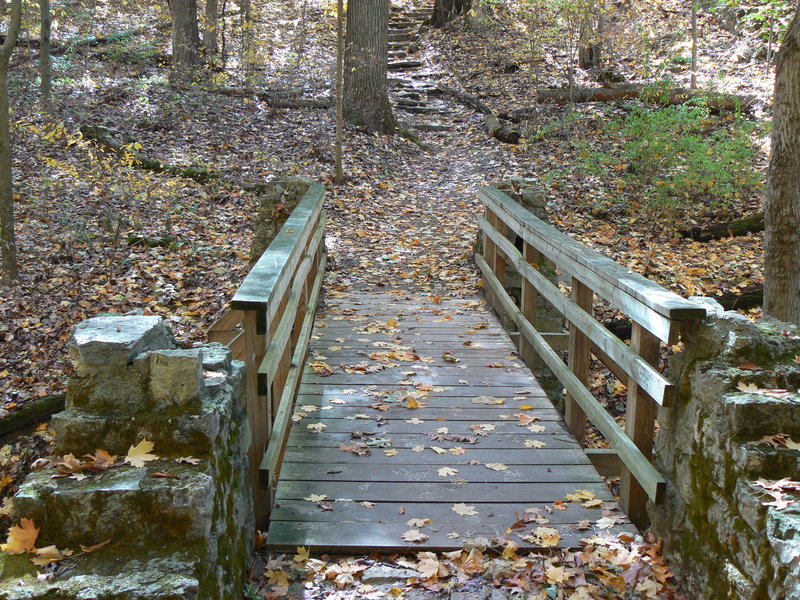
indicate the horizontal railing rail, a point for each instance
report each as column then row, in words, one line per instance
column 657, row 315
column 269, row 326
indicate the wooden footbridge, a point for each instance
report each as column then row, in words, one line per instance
column 399, row 422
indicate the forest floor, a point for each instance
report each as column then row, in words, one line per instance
column 97, row 235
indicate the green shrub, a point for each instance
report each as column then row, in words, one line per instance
column 679, row 157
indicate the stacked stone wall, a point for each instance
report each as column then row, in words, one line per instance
column 177, row 530
column 720, row 537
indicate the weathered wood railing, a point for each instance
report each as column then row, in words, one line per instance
column 269, row 326
column 656, row 315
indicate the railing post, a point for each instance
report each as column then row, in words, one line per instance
column 579, row 355
column 528, row 299
column 258, row 411
column 640, row 417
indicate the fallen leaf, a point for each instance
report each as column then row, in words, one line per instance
column 496, row 466
column 533, row 444
column 419, row 522
column 315, row 497
column 464, row 510
column 414, row 535
column 447, row 472
column 140, row 454
column 21, row 538
column 187, row 460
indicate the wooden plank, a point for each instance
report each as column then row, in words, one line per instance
column 449, row 391
column 270, row 464
column 650, row 294
column 279, row 341
column 496, row 512
column 661, row 326
column 499, row 378
column 573, row 474
column 403, row 427
column 258, row 412
column 406, row 441
column 640, row 416
column 659, row 388
column 271, row 275
column 344, row 538
column 549, row 456
column 226, row 328
column 398, row 412
column 579, row 359
column 640, row 466
column 434, row 492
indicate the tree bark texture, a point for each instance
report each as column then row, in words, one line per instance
column 185, row 39
column 445, row 11
column 210, row 28
column 45, row 62
column 339, row 177
column 366, row 96
column 782, row 219
column 8, row 242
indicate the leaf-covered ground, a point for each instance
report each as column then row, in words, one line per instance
column 98, row 235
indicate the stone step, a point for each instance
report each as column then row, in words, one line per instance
column 111, row 573
column 426, row 110
column 431, row 127
column 124, row 504
column 403, row 37
column 402, row 65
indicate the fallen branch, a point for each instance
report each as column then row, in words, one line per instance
column 31, row 413
column 716, row 231
column 105, row 137
column 717, row 102
column 275, row 99
column 500, row 131
column 59, row 49
column 466, row 99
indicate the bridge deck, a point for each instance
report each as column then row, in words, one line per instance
column 448, row 418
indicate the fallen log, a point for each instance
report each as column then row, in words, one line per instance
column 716, row 101
column 494, row 127
column 501, row 131
column 716, row 231
column 276, row 100
column 466, row 99
column 106, row 137
column 30, row 413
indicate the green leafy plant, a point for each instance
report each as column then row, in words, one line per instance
column 679, row 157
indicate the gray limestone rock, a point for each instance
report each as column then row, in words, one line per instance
column 174, row 377
column 115, row 340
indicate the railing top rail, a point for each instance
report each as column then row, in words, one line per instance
column 259, row 287
column 562, row 249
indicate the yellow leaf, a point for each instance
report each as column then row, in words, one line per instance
column 302, row 555
column 21, row 538
column 140, row 454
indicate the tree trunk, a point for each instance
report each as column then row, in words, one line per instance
column 590, row 44
column 210, row 28
column 339, row 177
column 185, row 40
column 8, row 243
column 45, row 63
column 366, row 96
column 782, row 219
column 445, row 11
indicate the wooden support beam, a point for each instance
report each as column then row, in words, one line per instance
column 579, row 359
column 640, row 416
